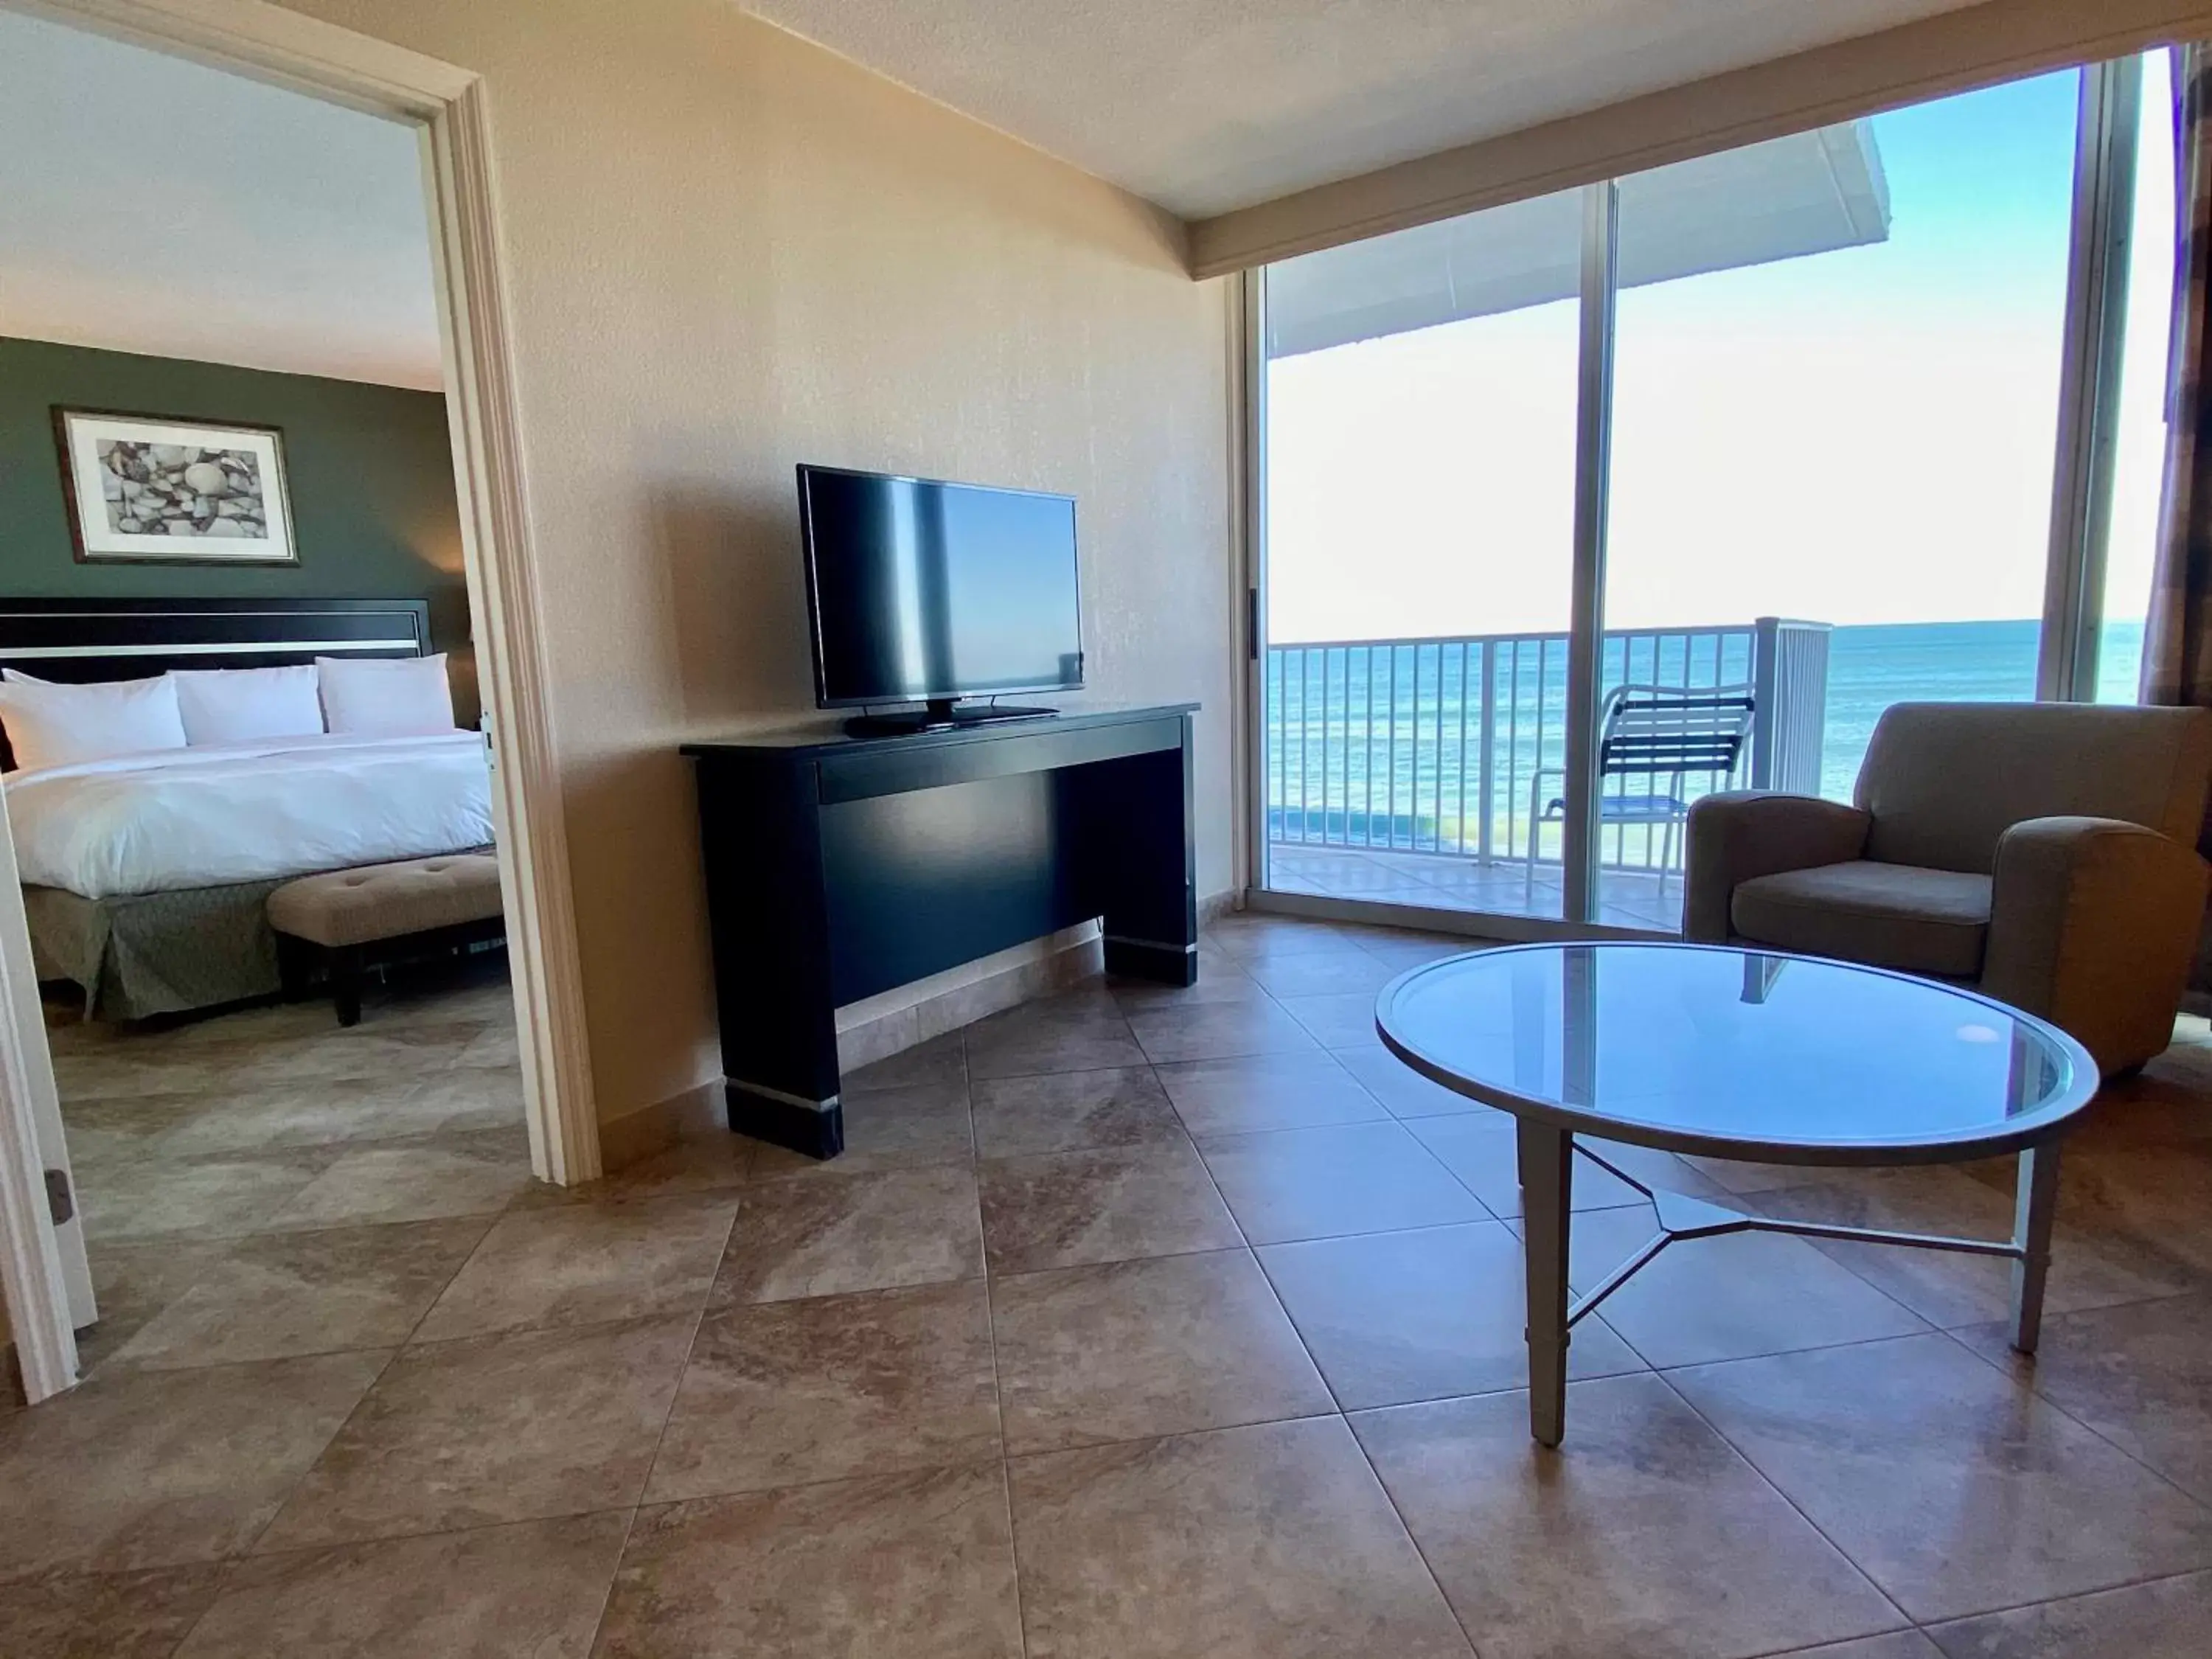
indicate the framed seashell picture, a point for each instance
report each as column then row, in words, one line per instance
column 149, row 489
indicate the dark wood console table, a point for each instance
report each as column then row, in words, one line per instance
column 839, row 867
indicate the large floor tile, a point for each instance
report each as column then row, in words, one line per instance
column 1079, row 1030
column 1402, row 1088
column 137, row 1469
column 500, row 1428
column 299, row 1293
column 779, row 1394
column 1396, row 1317
column 2140, row 1375
column 133, row 1281
column 1253, row 937
column 411, row 1180
column 857, row 1232
column 374, row 1048
column 1897, row 1644
column 1350, row 1178
column 1955, row 1488
column 1112, row 1204
column 1478, row 1146
column 585, row 1264
column 1734, row 1175
column 902, row 1566
column 1269, row 1542
column 908, row 1127
column 312, row 1116
column 1341, row 1019
column 130, row 1129
column 941, row 1059
column 532, row 1591
column 464, row 1099
column 2168, row 1619
column 1221, row 978
column 1643, row 1535
column 1402, row 948
column 134, row 1615
column 1218, row 1031
column 1134, row 1349
column 1729, row 1298
column 497, row 1047
column 1072, row 1111
column 714, row 1162
column 2156, row 1193
column 198, row 1198
column 1266, row 1091
column 2087, row 1270
column 1351, row 971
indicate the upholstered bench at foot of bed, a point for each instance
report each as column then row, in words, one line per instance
column 381, row 912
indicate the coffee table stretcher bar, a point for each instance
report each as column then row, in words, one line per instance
column 1546, row 1157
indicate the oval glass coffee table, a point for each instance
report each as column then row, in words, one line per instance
column 1725, row 1053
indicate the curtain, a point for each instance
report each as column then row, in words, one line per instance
column 2177, row 655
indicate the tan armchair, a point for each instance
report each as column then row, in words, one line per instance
column 2044, row 852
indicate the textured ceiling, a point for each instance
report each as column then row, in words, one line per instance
column 1203, row 106
column 152, row 205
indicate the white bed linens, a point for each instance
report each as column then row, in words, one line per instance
column 247, row 811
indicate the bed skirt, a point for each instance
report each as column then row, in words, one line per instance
column 139, row 954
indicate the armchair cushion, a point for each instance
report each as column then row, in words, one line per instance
column 1739, row 834
column 1891, row 915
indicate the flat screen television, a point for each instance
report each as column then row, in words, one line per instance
column 920, row 590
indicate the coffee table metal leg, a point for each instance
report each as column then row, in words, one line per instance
column 2035, row 1206
column 1547, row 1158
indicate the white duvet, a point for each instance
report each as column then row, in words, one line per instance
column 248, row 811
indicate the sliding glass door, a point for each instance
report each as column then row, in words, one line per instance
column 1845, row 412
column 1420, row 391
column 1832, row 460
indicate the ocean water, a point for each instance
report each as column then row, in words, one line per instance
column 1382, row 746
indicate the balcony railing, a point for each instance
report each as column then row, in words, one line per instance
column 1431, row 745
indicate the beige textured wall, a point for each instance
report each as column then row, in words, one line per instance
column 728, row 252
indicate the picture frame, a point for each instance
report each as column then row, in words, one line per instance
column 168, row 489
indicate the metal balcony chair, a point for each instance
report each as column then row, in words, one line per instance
column 1651, row 731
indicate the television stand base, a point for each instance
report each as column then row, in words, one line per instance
column 939, row 716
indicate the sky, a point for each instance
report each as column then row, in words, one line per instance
column 1863, row 435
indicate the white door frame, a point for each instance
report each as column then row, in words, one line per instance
column 447, row 105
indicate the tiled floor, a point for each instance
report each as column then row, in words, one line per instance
column 1626, row 899
column 1135, row 1324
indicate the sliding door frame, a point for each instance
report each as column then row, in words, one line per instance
column 2089, row 380
column 2080, row 510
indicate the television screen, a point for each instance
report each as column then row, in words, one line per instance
column 922, row 590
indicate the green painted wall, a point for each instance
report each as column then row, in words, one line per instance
column 371, row 475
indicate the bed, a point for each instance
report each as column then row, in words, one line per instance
column 145, row 876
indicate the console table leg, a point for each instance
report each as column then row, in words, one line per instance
column 1546, row 1159
column 2035, row 1207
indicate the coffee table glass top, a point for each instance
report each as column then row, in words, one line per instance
column 1737, row 1053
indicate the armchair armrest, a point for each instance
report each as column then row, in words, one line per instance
column 1737, row 834
column 2092, row 924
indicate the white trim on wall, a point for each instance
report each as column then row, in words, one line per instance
column 283, row 47
column 1997, row 40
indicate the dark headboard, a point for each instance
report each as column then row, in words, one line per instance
column 85, row 640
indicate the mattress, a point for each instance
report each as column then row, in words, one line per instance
column 222, row 814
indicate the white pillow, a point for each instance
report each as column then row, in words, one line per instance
column 384, row 696
column 237, row 705
column 52, row 725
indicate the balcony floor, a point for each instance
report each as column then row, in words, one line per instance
column 1627, row 899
